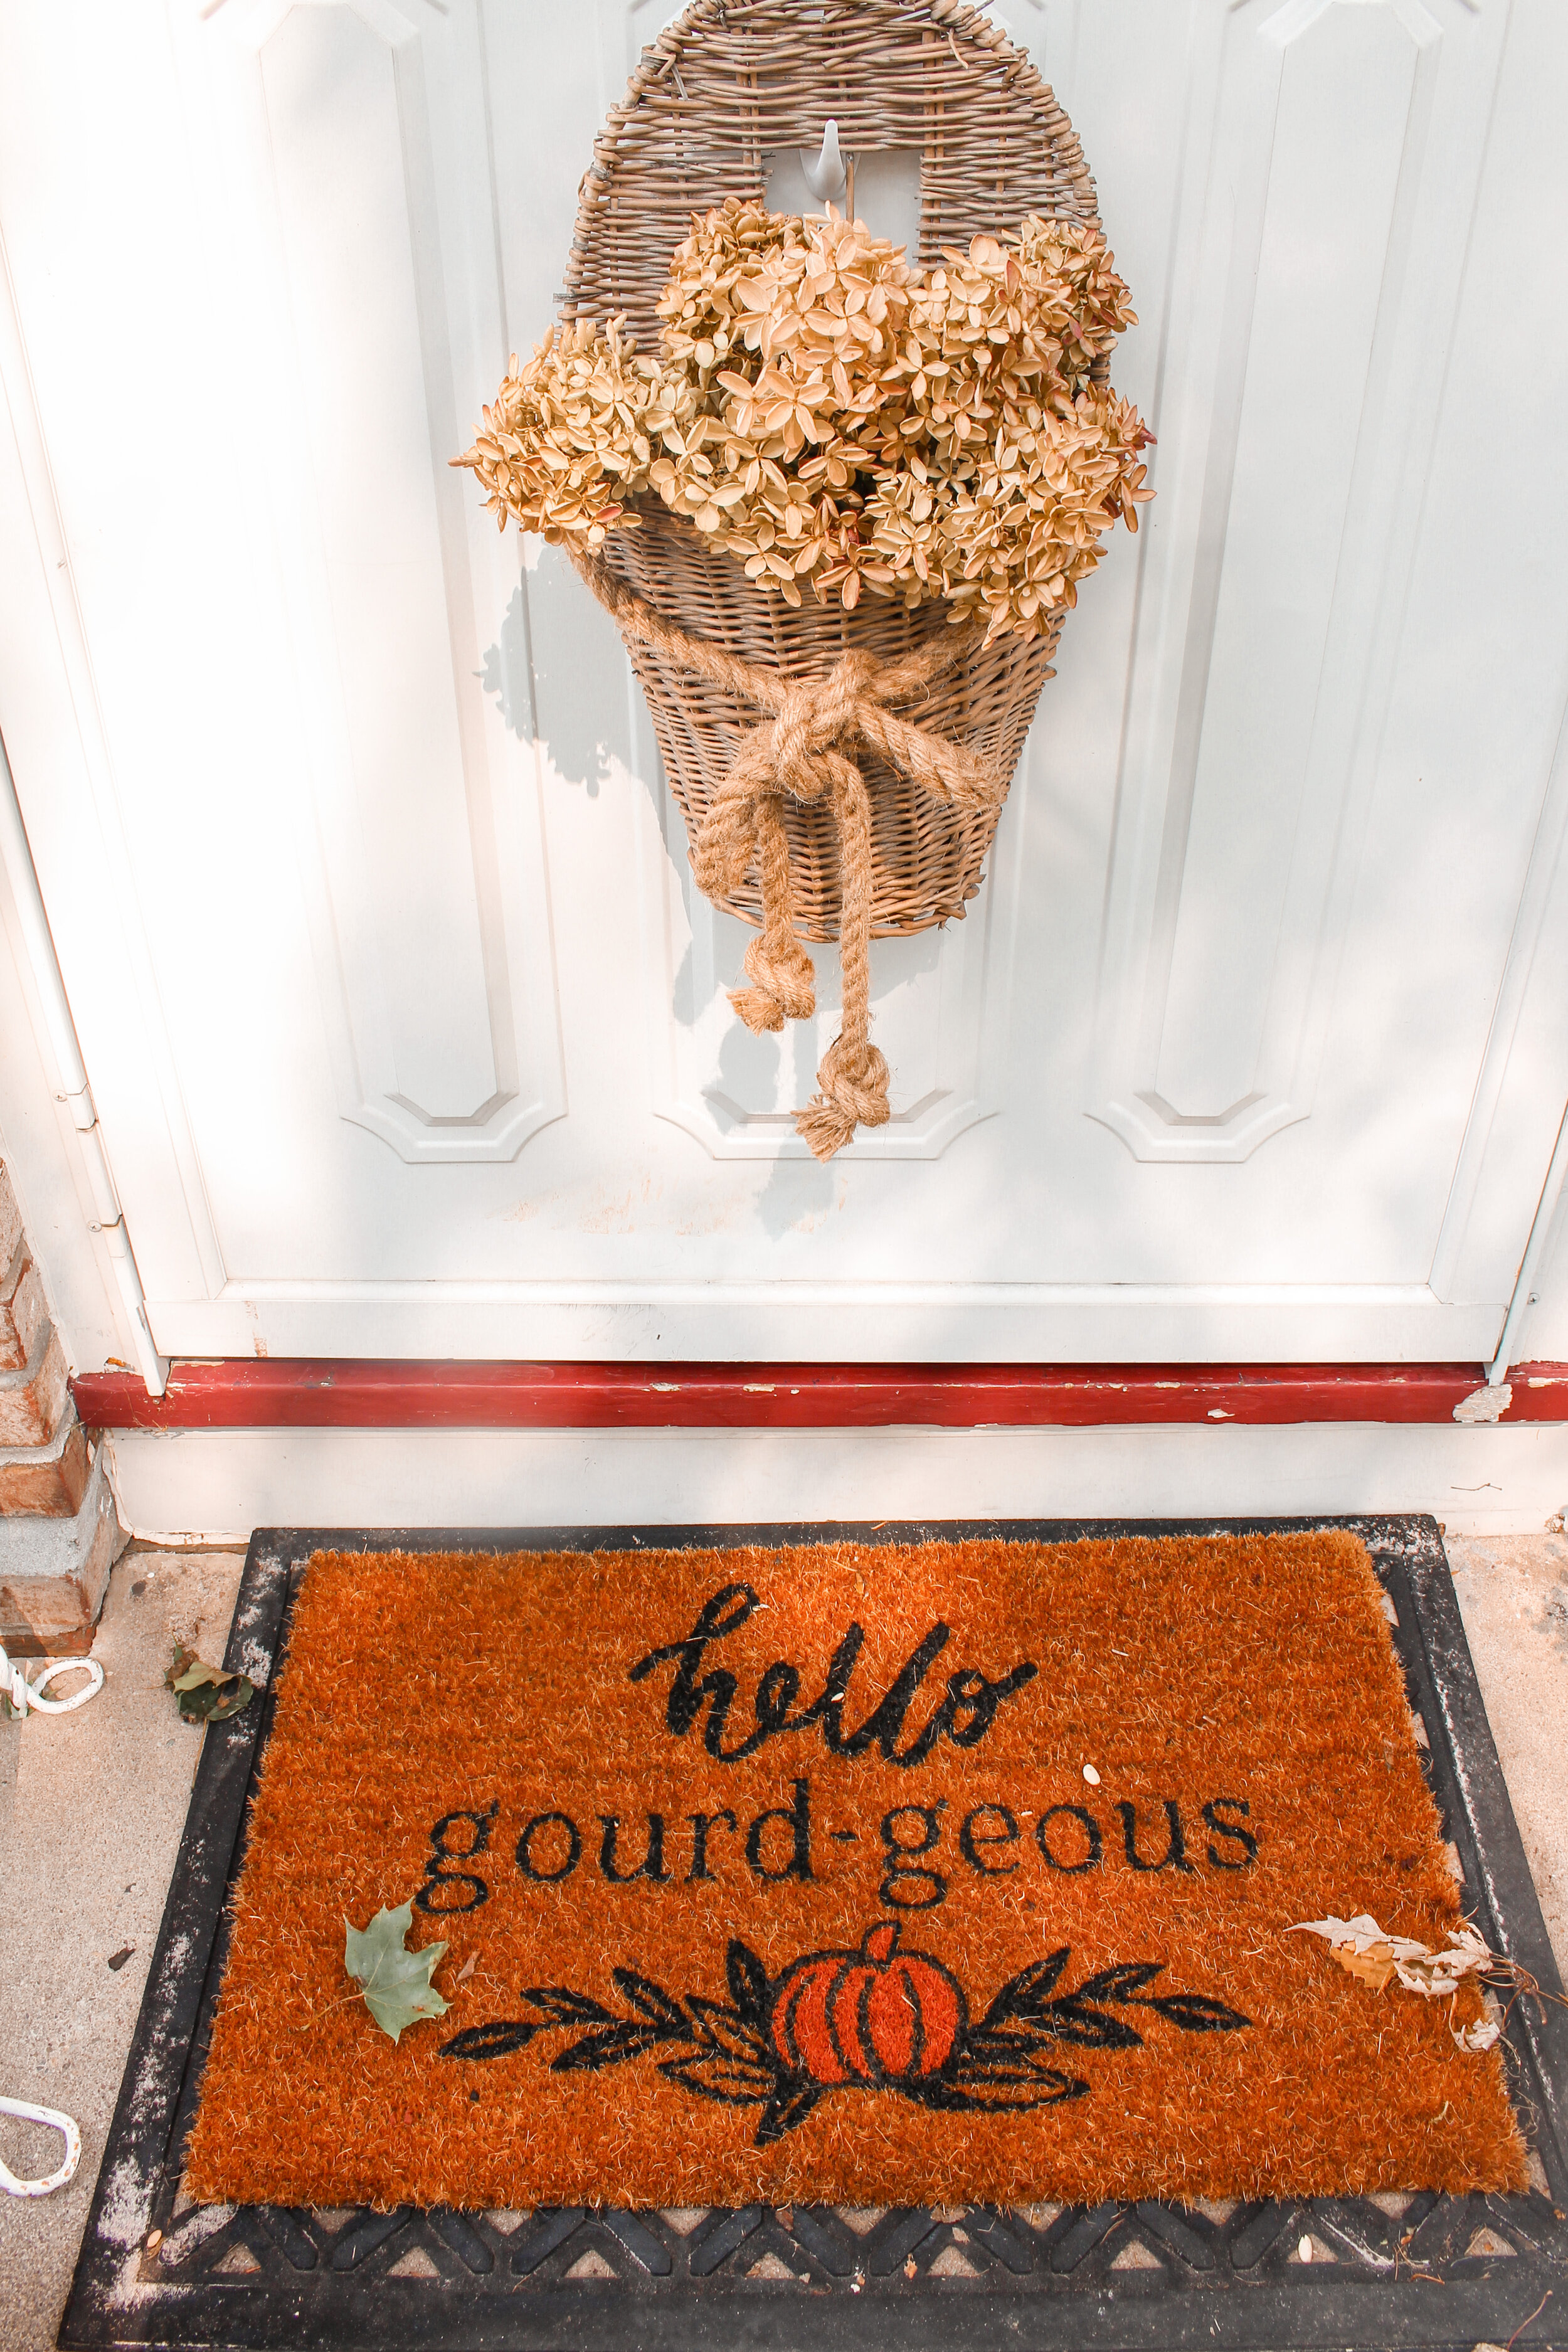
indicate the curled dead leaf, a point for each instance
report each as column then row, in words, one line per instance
column 1367, row 1951
column 1373, row 1967
column 207, row 1694
column 1375, row 1957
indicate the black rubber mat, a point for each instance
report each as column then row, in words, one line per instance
column 1427, row 2270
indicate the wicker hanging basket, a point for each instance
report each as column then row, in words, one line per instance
column 869, row 805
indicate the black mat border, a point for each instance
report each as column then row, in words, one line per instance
column 119, row 2300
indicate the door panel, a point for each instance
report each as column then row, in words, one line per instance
column 1253, row 1043
column 349, row 146
column 1323, row 194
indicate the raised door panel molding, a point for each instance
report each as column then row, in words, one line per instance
column 1326, row 178
column 351, row 140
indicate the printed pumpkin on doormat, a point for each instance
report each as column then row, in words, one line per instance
column 957, row 1871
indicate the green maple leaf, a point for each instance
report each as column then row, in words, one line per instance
column 396, row 1983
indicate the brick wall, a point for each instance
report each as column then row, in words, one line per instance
column 58, row 1533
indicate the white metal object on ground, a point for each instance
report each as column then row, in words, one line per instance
column 23, row 1694
column 27, row 2113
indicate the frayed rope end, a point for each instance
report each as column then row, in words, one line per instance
column 827, row 1126
column 853, row 1082
column 757, row 1009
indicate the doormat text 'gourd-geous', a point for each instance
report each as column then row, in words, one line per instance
column 876, row 1875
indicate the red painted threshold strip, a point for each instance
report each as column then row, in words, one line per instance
column 354, row 1393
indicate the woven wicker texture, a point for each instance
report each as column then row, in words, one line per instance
column 732, row 82
column 926, row 855
column 729, row 85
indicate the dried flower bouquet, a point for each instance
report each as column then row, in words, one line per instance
column 828, row 413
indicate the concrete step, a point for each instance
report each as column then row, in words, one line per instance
column 53, row 1573
column 35, row 1395
column 47, row 1481
column 22, row 1312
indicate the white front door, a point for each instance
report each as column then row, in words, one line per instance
column 406, row 1029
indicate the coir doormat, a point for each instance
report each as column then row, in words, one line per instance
column 862, row 1874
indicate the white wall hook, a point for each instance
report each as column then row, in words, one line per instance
column 28, row 2113
column 23, row 1694
column 824, row 173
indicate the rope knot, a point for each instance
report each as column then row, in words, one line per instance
column 852, row 1079
column 814, row 715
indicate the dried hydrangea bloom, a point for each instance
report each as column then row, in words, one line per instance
column 702, row 313
column 791, row 325
column 749, row 286
column 572, row 433
column 828, row 415
column 1029, row 525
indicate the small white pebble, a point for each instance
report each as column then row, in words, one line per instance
column 1305, row 2250
column 1091, row 1775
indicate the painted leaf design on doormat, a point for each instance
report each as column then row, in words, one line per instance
column 873, row 2019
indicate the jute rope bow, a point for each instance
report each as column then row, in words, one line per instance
column 802, row 750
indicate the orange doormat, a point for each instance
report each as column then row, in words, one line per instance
column 957, row 1871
